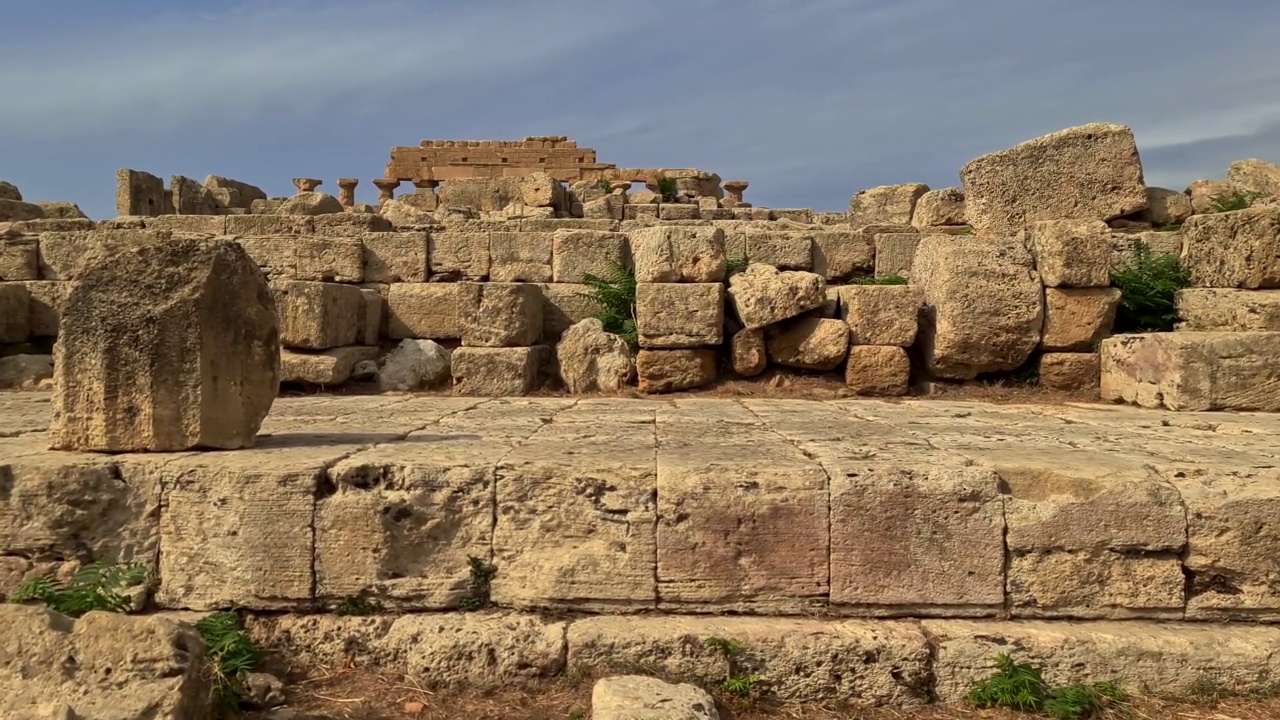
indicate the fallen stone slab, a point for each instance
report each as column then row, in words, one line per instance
column 1193, row 371
column 627, row 697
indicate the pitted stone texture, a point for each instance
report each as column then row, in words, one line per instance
column 627, row 697
column 662, row 371
column 498, row 371
column 885, row 205
column 1089, row 172
column 1198, row 371
column 781, row 249
column 1072, row 253
column 748, row 352
column 592, row 360
column 939, row 207
column 881, row 314
column 425, row 311
column 15, row 313
column 563, row 305
column 1214, row 309
column 412, row 365
column 324, row 368
column 307, row 257
column 1078, row 319
column 895, row 253
column 678, row 254
column 1068, row 371
column 578, row 253
column 165, row 346
column 679, row 315
column 841, row 254
column 1256, row 176
column 497, row 315
column 318, row 316
column 311, row 203
column 520, row 257
column 1239, row 249
column 878, row 370
column 19, row 259
column 761, row 295
column 1166, row 207
column 809, row 343
column 458, row 254
column 395, row 257
column 868, row 663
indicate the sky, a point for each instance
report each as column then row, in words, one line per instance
column 808, row 100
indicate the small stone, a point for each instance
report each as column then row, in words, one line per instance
column 878, row 370
column 412, row 365
column 635, row 697
column 265, row 690
column 748, row 352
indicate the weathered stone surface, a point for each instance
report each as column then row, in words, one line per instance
column 15, row 313
column 46, row 302
column 500, row 314
column 626, row 697
column 1193, row 371
column 62, row 210
column 429, row 311
column 984, row 305
column 1089, row 172
column 207, row 225
column 1166, row 207
column 63, row 254
column 885, row 205
column 748, row 352
column 1072, row 253
column 188, row 197
column 841, row 254
column 672, row 254
column 592, row 360
column 318, row 316
column 870, row 663
column 678, row 211
column 25, row 372
column 1124, row 246
column 1228, row 310
column 878, row 370
column 1203, row 193
column 785, row 250
column 395, row 257
column 19, row 259
column 311, row 203
column 1255, row 176
column 124, row 667
column 810, row 343
column 458, row 255
column 1069, row 371
column 563, row 305
column 662, row 371
column 881, row 314
column 404, row 215
column 9, row 191
column 1077, row 319
column 895, row 253
column 1238, row 249
column 165, row 346
column 250, row 226
column 761, row 295
column 412, row 365
column 939, row 208
column 520, row 256
column 577, row 253
column 140, row 193
column 610, row 207
column 17, row 211
column 497, row 371
column 372, row 317
column 307, row 257
column 325, row 368
column 679, row 315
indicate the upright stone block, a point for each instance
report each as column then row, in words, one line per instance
column 395, row 257
column 165, row 346
column 318, row 316
column 140, row 193
column 895, row 253
column 881, row 314
column 577, row 253
column 501, row 314
column 886, row 204
column 1077, row 319
column 679, row 315
column 19, row 259
column 425, row 311
column 459, row 255
column 520, row 256
column 1201, row 309
column 497, row 371
column 841, row 254
column 1238, row 249
column 670, row 254
column 878, row 370
column 662, row 371
column 1072, row 253
column 15, row 312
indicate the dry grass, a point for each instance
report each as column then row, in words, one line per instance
column 354, row 694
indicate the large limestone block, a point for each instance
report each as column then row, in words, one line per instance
column 895, row 253
column 497, row 371
column 326, row 368
column 15, row 312
column 19, row 259
column 1228, row 310
column 894, row 534
column 678, row 254
column 1089, row 172
column 679, row 315
column 500, row 314
column 1193, row 371
column 1124, row 246
column 624, row 697
column 1077, row 319
column 1166, row 207
column 1204, row 193
column 591, row 360
column 841, row 254
column 140, row 193
column 939, row 207
column 785, row 250
column 762, row 295
column 881, row 314
column 563, row 305
column 311, row 203
column 105, row 666
column 318, row 316
column 577, row 253
column 165, row 346
column 395, row 257
column 1148, row 658
column 427, row 311
column 458, row 254
column 252, row 226
column 662, row 371
column 878, row 370
column 984, row 304
column 404, row 214
column 1072, row 253
column 885, row 205
column 17, row 211
column 1255, row 176
column 809, row 343
column 188, row 197
column 803, row 659
column 520, row 256
column 63, row 254
column 47, row 299
column 1238, row 249
column 1068, row 371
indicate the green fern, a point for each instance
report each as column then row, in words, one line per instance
column 1078, row 702
column 97, row 586
column 230, row 656
column 741, row 685
column 615, row 294
column 1148, row 287
column 1235, row 200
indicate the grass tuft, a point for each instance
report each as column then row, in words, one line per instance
column 894, row 279
column 1234, row 200
column 482, row 574
column 669, row 189
column 1021, row 687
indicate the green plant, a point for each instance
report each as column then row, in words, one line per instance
column 615, row 294
column 351, row 605
column 894, row 279
column 604, row 186
column 97, row 586
column 735, row 682
column 229, row 655
column 735, row 265
column 1076, row 702
column 1021, row 686
column 1168, row 227
column 1234, row 200
column 668, row 189
column 482, row 574
column 1148, row 286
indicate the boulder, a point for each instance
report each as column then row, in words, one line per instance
column 592, row 360
column 25, row 372
column 1203, row 192
column 748, row 353
column 885, row 205
column 878, row 370
column 1166, row 207
column 405, row 216
column 413, row 364
column 984, row 305
column 9, row 191
column 939, row 207
column 762, row 295
column 311, row 203
column 810, row 343
column 104, row 666
column 1239, row 249
column 1090, row 172
column 1193, row 371
column 1255, row 176
column 165, row 346
column 630, row 697
column 662, row 371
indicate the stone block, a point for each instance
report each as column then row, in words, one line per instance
column 809, row 343
column 1077, row 319
column 679, row 315
column 500, row 314
column 395, row 257
column 140, row 193
column 206, row 225
column 1072, row 253
column 1068, row 371
column 842, row 254
column 307, row 258
column 1255, row 176
column 661, row 371
column 895, row 253
column 1238, row 249
column 1203, row 192
column 371, row 317
column 15, row 313
column 1224, row 309
column 1124, row 246
column 631, row 211
column 563, row 305
column 19, row 259
column 497, row 371
column 785, row 250
column 938, row 208
column 312, row 204
column 458, row 255
column 678, row 254
column 318, row 316
column 878, row 370
column 188, row 197
column 591, row 360
column 1193, row 371
column 325, row 368
column 881, row 314
column 627, row 696
column 250, row 226
column 678, row 211
column 748, row 352
column 520, row 256
column 47, row 299
column 165, row 346
column 577, row 253
column 350, row 225
column 1166, row 207
column 886, row 204
column 62, row 254
column 426, row 311
column 762, row 295
column 1089, row 172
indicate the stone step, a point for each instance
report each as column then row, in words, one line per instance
column 1193, row 371
column 1226, row 309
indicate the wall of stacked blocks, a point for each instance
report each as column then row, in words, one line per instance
column 1008, row 273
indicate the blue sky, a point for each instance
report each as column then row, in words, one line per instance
column 809, row 100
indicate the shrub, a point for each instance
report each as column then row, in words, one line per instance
column 1148, row 286
column 1234, row 200
column 668, row 189
column 478, row 594
column 97, row 586
column 1021, row 686
column 615, row 294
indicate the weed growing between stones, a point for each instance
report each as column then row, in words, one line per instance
column 230, row 656
column 1148, row 286
column 482, row 574
column 1236, row 200
column 886, row 280
column 735, row 265
column 604, row 186
column 1021, row 686
column 668, row 189
column 616, row 295
column 351, row 606
column 735, row 682
column 97, row 586
column 1168, row 227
